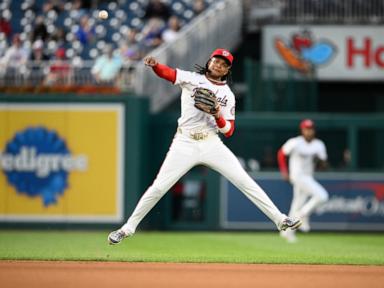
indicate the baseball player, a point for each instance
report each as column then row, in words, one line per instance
column 207, row 108
column 304, row 151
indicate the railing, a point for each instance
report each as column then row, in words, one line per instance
column 219, row 26
column 55, row 74
column 318, row 11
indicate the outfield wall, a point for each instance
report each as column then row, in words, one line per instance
column 71, row 160
column 195, row 202
column 356, row 202
column 84, row 161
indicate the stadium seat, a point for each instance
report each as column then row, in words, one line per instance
column 123, row 14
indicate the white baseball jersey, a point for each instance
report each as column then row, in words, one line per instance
column 186, row 152
column 192, row 118
column 302, row 154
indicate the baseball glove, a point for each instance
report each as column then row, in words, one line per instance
column 205, row 100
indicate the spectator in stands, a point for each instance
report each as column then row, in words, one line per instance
column 5, row 27
column 107, row 66
column 86, row 32
column 157, row 9
column 172, row 30
column 198, row 6
column 84, row 4
column 3, row 45
column 80, row 7
column 131, row 36
column 152, row 34
column 38, row 54
column 59, row 36
column 40, row 30
column 16, row 56
column 60, row 71
column 130, row 49
column 37, row 62
column 56, row 5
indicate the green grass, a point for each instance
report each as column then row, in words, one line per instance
column 218, row 247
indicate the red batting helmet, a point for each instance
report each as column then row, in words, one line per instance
column 220, row 52
column 307, row 123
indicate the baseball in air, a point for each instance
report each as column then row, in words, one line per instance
column 103, row 14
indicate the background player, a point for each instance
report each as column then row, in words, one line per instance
column 197, row 142
column 304, row 151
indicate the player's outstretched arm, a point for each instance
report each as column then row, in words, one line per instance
column 282, row 161
column 161, row 70
column 150, row 61
column 321, row 165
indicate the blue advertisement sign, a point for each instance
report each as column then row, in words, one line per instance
column 356, row 202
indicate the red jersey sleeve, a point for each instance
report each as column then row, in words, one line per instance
column 282, row 160
column 221, row 123
column 165, row 72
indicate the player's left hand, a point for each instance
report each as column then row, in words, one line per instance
column 321, row 165
column 205, row 100
column 218, row 113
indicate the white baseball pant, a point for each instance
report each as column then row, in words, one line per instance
column 185, row 153
column 307, row 195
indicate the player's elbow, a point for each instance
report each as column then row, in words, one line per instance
column 281, row 160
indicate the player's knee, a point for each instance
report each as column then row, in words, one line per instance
column 323, row 197
column 326, row 197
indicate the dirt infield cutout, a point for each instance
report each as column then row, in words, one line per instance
column 39, row 274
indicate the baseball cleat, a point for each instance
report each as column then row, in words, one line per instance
column 291, row 223
column 305, row 227
column 289, row 236
column 116, row 237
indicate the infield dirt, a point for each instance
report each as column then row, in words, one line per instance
column 33, row 274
